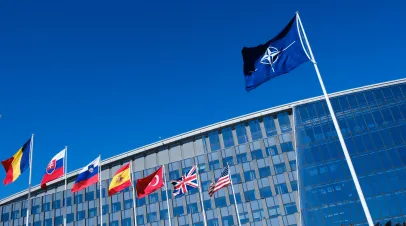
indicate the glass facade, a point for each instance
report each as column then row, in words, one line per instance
column 261, row 152
column 374, row 127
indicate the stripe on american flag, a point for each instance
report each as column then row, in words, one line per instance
column 222, row 182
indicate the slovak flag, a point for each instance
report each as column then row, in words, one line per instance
column 87, row 176
column 55, row 169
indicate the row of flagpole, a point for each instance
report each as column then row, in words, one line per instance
column 132, row 187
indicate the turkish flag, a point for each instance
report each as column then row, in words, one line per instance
column 149, row 184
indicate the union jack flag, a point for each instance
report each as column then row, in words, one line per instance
column 185, row 183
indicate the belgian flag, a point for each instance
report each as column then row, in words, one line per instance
column 17, row 164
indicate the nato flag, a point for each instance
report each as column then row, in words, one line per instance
column 278, row 56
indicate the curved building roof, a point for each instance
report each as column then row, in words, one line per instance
column 200, row 132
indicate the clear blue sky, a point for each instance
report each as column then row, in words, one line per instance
column 104, row 77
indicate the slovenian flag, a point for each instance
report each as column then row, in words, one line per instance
column 87, row 176
column 55, row 169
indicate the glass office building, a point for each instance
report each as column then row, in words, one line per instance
column 286, row 164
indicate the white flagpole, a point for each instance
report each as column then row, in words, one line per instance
column 65, row 168
column 100, row 191
column 132, row 186
column 337, row 127
column 297, row 164
column 167, row 197
column 235, row 200
column 201, row 194
column 29, row 181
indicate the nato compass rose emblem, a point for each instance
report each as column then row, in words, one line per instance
column 272, row 55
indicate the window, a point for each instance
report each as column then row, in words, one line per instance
column 81, row 215
column 242, row 155
column 174, row 170
column 15, row 214
column 116, row 207
column 274, row 211
column 237, row 197
column 264, row 172
column 241, row 134
column 89, row 195
column 141, row 202
column 284, row 122
column 152, row 217
column 153, row 198
column 228, row 137
column 227, row 155
column 177, row 211
column 105, row 209
column 286, row 142
column 192, row 208
column 255, row 129
column 128, row 204
column 269, row 125
column 56, row 204
column 249, row 175
column 220, row 201
column 290, row 208
column 70, row 217
column 257, row 154
column 257, row 211
column 280, row 168
column 207, row 204
column 264, row 188
column 292, row 164
column 265, row 192
column 281, row 188
column 177, row 207
column 214, row 162
column 228, row 220
column 163, row 214
column 270, row 147
column 140, row 219
column 58, row 220
column 249, row 192
column 214, row 141
column 92, row 212
column 249, row 195
column 293, row 184
column 6, row 214
column 212, row 222
column 78, row 198
column 126, row 222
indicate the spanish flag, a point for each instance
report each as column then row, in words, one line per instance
column 16, row 165
column 120, row 180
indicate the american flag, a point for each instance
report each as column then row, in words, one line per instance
column 185, row 183
column 222, row 182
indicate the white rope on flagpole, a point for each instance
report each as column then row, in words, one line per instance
column 167, row 197
column 29, row 182
column 337, row 127
column 133, row 188
column 65, row 169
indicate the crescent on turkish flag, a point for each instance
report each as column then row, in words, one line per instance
column 150, row 183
